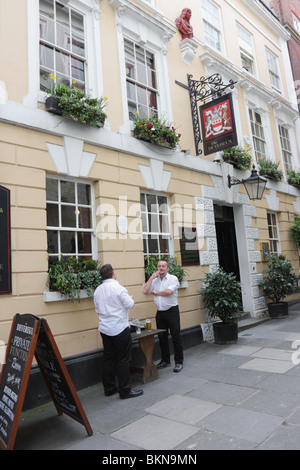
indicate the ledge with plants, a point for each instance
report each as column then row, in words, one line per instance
column 174, row 267
column 73, row 279
column 293, row 178
column 73, row 103
column 155, row 131
column 269, row 169
column 237, row 157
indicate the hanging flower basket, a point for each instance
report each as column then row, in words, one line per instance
column 156, row 131
column 237, row 157
column 269, row 169
column 52, row 105
column 75, row 104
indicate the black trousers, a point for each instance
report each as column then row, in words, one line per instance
column 170, row 320
column 117, row 357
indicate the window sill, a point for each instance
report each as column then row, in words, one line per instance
column 184, row 285
column 56, row 296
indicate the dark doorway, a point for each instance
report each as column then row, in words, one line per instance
column 226, row 239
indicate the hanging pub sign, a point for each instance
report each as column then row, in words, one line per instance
column 5, row 242
column 218, row 125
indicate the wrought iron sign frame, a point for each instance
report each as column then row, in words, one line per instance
column 206, row 89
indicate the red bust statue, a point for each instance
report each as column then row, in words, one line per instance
column 183, row 24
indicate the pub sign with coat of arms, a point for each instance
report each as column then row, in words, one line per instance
column 218, row 125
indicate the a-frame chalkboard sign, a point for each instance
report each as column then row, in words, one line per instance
column 31, row 336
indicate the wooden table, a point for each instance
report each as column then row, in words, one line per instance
column 146, row 341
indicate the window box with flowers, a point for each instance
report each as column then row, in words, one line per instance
column 237, row 157
column 269, row 169
column 156, row 131
column 174, row 267
column 293, row 178
column 75, row 104
column 73, row 279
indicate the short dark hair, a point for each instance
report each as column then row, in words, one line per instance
column 106, row 271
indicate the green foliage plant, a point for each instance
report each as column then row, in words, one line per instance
column 279, row 279
column 293, row 177
column 78, row 105
column 156, row 130
column 270, row 169
column 238, row 157
column 70, row 275
column 221, row 294
column 295, row 231
column 174, row 266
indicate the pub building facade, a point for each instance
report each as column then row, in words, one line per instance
column 103, row 193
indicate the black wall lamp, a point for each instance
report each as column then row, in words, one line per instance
column 255, row 184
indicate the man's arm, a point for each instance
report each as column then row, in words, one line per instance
column 164, row 292
column 147, row 286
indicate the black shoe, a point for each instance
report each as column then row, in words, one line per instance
column 178, row 367
column 132, row 394
column 163, row 364
column 109, row 393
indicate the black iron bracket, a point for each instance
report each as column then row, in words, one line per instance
column 204, row 90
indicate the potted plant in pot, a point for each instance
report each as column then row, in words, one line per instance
column 69, row 276
column 293, row 178
column 269, row 169
column 278, row 282
column 221, row 294
column 155, row 130
column 76, row 104
column 237, row 157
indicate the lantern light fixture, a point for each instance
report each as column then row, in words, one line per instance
column 254, row 185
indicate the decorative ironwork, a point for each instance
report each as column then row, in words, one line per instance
column 205, row 89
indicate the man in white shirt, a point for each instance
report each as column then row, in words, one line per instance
column 112, row 302
column 164, row 287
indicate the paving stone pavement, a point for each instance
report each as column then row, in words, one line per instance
column 244, row 396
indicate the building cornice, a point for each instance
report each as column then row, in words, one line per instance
column 263, row 12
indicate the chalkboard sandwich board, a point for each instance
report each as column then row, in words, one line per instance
column 31, row 336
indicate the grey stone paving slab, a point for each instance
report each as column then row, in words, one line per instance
column 273, row 353
column 207, row 440
column 183, row 409
column 155, row 433
column 272, row 402
column 225, row 394
column 282, row 383
column 268, row 365
column 240, row 423
column 100, row 441
column 240, row 350
column 294, row 418
column 284, row 438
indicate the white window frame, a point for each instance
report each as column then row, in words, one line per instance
column 274, row 72
column 214, row 22
column 91, row 230
column 153, row 35
column 255, row 137
column 141, row 84
column 286, row 150
column 66, row 76
column 94, row 80
column 146, row 233
column 273, row 240
column 246, row 47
